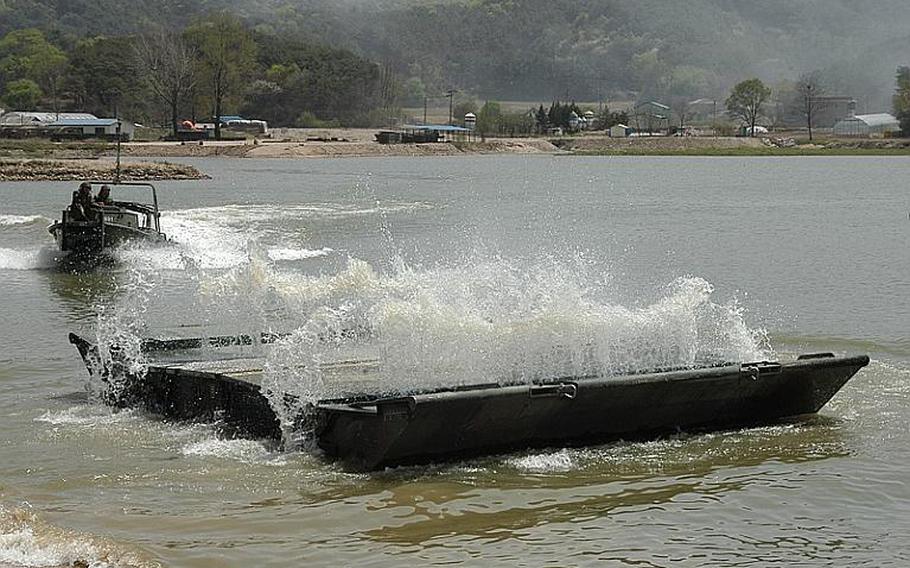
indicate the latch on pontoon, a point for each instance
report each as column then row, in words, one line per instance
column 760, row 368
column 568, row 390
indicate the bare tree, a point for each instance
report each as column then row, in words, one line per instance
column 810, row 89
column 389, row 91
column 227, row 54
column 167, row 64
column 682, row 109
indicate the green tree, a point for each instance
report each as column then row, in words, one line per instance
column 746, row 100
column 318, row 83
column 227, row 56
column 901, row 99
column 26, row 54
column 414, row 91
column 489, row 118
column 22, row 94
column 101, row 76
column 540, row 120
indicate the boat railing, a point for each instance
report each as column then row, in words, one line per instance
column 150, row 208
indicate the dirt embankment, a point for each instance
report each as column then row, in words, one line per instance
column 867, row 144
column 653, row 144
column 186, row 150
column 80, row 170
column 328, row 146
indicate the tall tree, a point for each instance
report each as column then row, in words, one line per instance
column 26, row 54
column 22, row 94
column 167, row 63
column 746, row 100
column 489, row 118
column 100, row 76
column 901, row 99
column 540, row 120
column 810, row 89
column 227, row 55
column 682, row 109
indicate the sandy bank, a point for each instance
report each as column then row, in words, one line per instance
column 339, row 148
column 656, row 144
column 78, row 170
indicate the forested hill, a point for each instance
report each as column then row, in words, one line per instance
column 544, row 49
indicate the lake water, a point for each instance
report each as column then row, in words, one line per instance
column 490, row 265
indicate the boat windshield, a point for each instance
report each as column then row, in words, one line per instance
column 141, row 195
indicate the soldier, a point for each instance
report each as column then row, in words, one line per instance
column 81, row 207
column 104, row 196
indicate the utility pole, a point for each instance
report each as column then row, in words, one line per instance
column 809, row 108
column 117, row 171
column 424, row 109
column 714, row 120
column 451, row 94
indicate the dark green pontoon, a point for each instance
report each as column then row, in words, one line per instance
column 368, row 431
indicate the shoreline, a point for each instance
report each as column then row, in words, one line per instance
column 354, row 143
column 34, row 160
column 82, row 169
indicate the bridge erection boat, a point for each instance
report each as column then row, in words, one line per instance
column 95, row 222
column 366, row 429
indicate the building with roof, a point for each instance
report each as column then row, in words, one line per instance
column 651, row 116
column 868, row 125
column 92, row 128
column 36, row 119
column 619, row 131
column 237, row 122
column 424, row 133
column 704, row 110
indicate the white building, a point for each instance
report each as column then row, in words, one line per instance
column 619, row 131
column 868, row 125
column 92, row 128
column 27, row 119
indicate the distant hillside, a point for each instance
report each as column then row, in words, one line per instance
column 545, row 49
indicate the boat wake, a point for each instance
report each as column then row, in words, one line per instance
column 26, row 540
column 24, row 220
column 43, row 258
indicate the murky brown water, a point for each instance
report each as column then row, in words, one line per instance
column 814, row 250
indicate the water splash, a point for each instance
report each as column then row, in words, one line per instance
column 118, row 335
column 245, row 451
column 27, row 540
column 495, row 321
column 32, row 259
column 297, row 254
column 20, row 220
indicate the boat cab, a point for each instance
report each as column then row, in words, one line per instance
column 101, row 217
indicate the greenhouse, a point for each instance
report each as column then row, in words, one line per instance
column 867, row 125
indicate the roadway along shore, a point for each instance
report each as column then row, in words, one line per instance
column 340, row 143
column 355, row 143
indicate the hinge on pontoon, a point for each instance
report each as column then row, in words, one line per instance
column 760, row 368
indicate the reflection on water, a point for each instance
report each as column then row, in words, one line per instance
column 623, row 477
column 81, row 292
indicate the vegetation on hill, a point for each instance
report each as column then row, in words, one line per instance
column 355, row 61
